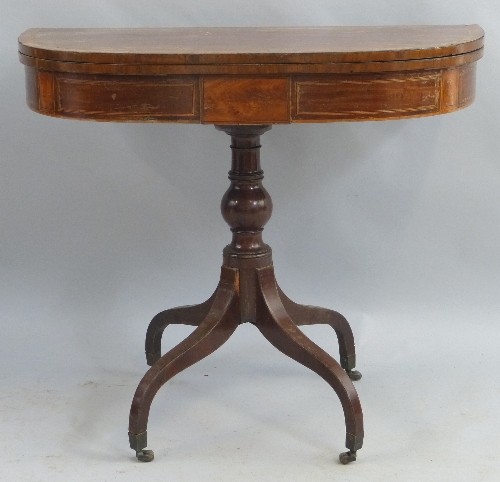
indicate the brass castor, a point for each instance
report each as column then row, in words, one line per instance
column 346, row 457
column 145, row 455
column 354, row 375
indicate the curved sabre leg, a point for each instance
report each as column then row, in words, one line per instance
column 276, row 325
column 313, row 315
column 182, row 315
column 213, row 331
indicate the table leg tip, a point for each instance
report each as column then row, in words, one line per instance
column 152, row 358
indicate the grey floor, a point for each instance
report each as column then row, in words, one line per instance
column 430, row 398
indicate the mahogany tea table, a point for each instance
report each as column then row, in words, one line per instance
column 244, row 80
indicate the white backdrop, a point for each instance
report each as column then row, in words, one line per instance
column 395, row 224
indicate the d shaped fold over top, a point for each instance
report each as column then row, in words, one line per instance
column 202, row 46
column 246, row 75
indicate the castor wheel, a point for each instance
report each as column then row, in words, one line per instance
column 354, row 375
column 346, row 457
column 145, row 455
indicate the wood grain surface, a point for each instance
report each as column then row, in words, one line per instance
column 251, row 75
column 244, row 80
column 251, row 44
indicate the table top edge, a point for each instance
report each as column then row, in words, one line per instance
column 197, row 45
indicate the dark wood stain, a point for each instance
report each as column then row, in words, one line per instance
column 122, row 98
column 244, row 45
column 251, row 75
column 250, row 100
column 248, row 293
column 357, row 96
column 243, row 80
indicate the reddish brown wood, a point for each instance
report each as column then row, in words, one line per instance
column 251, row 76
column 246, row 100
column 213, row 331
column 248, row 293
column 243, row 80
column 183, row 315
column 246, row 206
column 258, row 69
column 251, row 45
column 275, row 324
column 126, row 98
column 377, row 95
column 251, row 99
column 314, row 315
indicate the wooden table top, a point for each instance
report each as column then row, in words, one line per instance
column 251, row 75
column 254, row 45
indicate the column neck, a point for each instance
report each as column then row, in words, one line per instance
column 246, row 206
